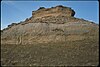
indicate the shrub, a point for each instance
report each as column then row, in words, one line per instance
column 41, row 8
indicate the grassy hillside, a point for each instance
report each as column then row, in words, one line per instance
column 70, row 53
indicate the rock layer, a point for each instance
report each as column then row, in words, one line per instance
column 51, row 37
column 56, row 24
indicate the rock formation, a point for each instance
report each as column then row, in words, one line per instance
column 56, row 24
column 51, row 37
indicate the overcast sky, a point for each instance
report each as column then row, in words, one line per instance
column 16, row 11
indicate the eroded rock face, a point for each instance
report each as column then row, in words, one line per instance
column 56, row 24
column 51, row 37
column 54, row 11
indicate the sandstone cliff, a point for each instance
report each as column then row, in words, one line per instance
column 51, row 37
column 56, row 24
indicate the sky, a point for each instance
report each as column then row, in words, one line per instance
column 16, row 11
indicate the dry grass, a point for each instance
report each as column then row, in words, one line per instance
column 71, row 53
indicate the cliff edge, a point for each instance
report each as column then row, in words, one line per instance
column 56, row 24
